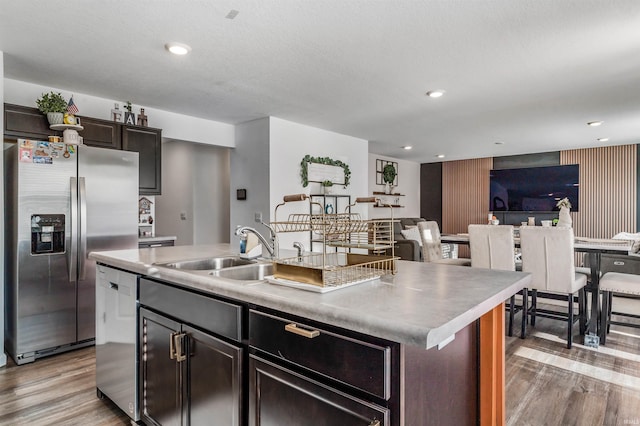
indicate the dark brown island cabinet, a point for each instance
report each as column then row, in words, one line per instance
column 191, row 357
column 29, row 123
column 205, row 357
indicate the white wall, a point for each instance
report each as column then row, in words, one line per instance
column 195, row 181
column 174, row 126
column 250, row 171
column 211, row 169
column 3, row 357
column 266, row 161
column 289, row 143
column 408, row 184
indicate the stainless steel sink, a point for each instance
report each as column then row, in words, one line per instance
column 216, row 263
column 256, row 271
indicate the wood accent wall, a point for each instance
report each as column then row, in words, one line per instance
column 465, row 193
column 608, row 190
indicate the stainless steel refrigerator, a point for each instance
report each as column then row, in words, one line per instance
column 61, row 203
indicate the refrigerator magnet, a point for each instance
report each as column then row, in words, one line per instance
column 25, row 155
column 42, row 160
column 26, row 143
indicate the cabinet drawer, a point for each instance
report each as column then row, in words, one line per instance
column 279, row 396
column 210, row 314
column 354, row 362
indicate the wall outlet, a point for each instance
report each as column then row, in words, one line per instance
column 183, row 216
column 257, row 216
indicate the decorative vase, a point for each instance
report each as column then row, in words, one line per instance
column 55, row 118
column 387, row 188
column 564, row 218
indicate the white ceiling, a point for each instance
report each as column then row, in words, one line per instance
column 526, row 73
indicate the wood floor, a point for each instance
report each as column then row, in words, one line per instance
column 546, row 384
column 58, row 390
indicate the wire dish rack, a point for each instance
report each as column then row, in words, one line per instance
column 341, row 230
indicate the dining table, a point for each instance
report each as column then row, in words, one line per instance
column 594, row 248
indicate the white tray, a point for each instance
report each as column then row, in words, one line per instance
column 315, row 288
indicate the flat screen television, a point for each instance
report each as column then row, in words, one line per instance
column 533, row 189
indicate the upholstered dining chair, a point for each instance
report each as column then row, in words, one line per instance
column 492, row 247
column 432, row 245
column 622, row 284
column 547, row 253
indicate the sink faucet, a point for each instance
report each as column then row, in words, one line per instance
column 300, row 248
column 272, row 247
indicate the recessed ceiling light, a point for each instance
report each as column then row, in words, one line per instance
column 232, row 14
column 435, row 93
column 440, row 156
column 499, row 143
column 603, row 139
column 594, row 123
column 178, row 48
column 407, row 147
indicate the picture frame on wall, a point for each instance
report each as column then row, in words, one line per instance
column 380, row 164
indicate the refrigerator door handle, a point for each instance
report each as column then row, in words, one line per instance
column 83, row 228
column 73, row 258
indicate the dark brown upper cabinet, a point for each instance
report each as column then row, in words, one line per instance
column 22, row 122
column 148, row 142
column 101, row 133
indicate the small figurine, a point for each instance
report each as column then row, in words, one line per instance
column 116, row 113
column 129, row 117
column 142, row 118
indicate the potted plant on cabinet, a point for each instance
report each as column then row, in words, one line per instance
column 388, row 176
column 53, row 105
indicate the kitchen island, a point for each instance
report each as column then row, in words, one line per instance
column 440, row 329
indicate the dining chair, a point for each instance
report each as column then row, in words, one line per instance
column 492, row 247
column 616, row 282
column 547, row 253
column 432, row 245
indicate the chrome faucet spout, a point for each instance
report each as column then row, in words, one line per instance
column 300, row 248
column 272, row 247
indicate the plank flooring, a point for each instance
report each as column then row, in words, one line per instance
column 58, row 390
column 546, row 384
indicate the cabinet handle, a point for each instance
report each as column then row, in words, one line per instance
column 176, row 346
column 179, row 345
column 172, row 345
column 293, row 328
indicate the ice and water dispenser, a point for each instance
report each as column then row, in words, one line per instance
column 47, row 233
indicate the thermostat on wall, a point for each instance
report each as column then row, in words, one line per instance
column 241, row 194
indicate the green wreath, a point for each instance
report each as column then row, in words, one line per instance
column 304, row 172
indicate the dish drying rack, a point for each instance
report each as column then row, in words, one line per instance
column 341, row 230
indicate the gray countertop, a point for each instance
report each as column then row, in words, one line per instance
column 422, row 305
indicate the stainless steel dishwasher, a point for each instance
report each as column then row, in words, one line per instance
column 116, row 334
